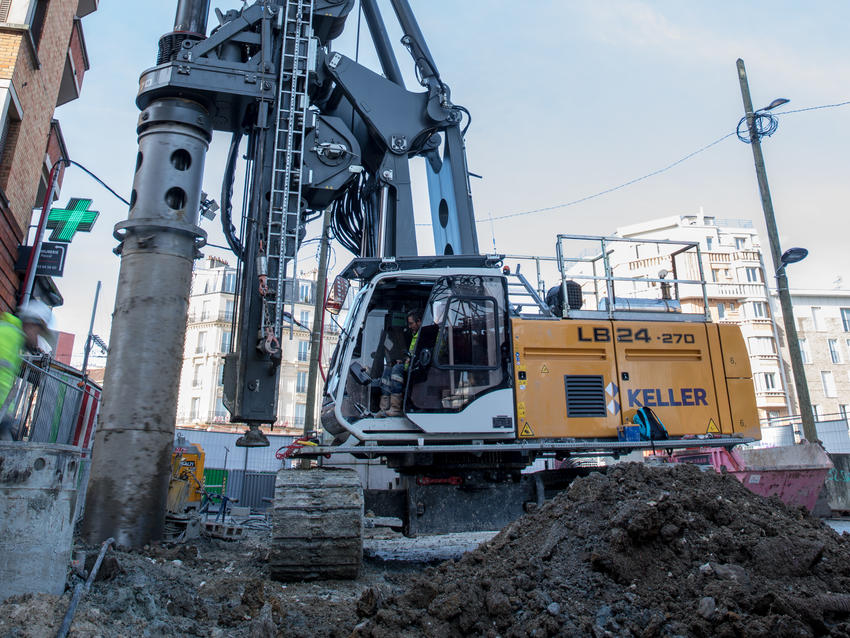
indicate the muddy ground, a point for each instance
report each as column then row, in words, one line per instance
column 641, row 551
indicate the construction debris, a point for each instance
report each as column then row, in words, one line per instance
column 641, row 551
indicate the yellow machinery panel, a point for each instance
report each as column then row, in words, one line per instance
column 545, row 354
column 584, row 379
column 186, row 487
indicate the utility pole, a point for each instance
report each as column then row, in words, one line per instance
column 809, row 429
column 91, row 330
column 316, row 334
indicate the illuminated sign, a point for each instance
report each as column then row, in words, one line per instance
column 76, row 216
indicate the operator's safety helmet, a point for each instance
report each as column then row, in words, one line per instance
column 37, row 312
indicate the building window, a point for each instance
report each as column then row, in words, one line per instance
column 772, row 415
column 39, row 15
column 303, row 350
column 205, row 311
column 195, row 408
column 721, row 310
column 229, row 282
column 834, row 354
column 225, row 341
column 848, row 349
column 739, row 243
column 804, row 351
column 845, row 319
column 228, row 310
column 201, row 345
column 765, row 381
column 196, row 376
column 304, row 319
column 816, row 317
column 753, row 275
column 220, row 411
column 828, row 384
column 816, row 411
column 304, row 290
column 221, row 375
column 709, row 241
column 300, row 414
column 842, row 410
column 714, row 276
column 758, row 310
column 301, row 382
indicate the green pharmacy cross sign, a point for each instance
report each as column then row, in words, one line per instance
column 76, row 216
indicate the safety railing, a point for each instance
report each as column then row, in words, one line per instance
column 610, row 277
column 51, row 402
column 618, row 276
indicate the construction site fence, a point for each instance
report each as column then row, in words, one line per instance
column 51, row 402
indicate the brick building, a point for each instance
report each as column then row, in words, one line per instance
column 42, row 62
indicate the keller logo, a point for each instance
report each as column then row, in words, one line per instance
column 666, row 397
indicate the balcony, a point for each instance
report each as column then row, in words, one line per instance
column 734, row 291
column 85, row 7
column 211, row 316
column 770, row 398
column 76, row 65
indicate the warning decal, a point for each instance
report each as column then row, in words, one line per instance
column 544, row 369
column 526, row 431
column 712, row 427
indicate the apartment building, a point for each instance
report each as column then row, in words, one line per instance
column 823, row 326
column 208, row 337
column 732, row 264
column 43, row 60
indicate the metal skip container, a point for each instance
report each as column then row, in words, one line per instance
column 38, row 494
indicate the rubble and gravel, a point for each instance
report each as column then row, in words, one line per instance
column 206, row 587
column 639, row 551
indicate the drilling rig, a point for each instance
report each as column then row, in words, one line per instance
column 501, row 374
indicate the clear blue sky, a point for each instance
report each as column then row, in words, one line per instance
column 568, row 99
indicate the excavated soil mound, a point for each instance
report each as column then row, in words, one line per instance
column 641, row 551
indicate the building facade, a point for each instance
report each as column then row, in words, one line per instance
column 43, row 60
column 732, row 264
column 208, row 339
column 822, row 318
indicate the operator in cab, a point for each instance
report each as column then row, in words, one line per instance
column 392, row 381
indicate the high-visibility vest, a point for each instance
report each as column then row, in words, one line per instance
column 11, row 344
column 411, row 349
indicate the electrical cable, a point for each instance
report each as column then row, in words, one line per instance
column 648, row 175
column 95, row 177
column 614, row 188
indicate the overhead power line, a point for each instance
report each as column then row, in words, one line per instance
column 648, row 175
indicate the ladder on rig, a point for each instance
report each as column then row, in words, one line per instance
column 284, row 217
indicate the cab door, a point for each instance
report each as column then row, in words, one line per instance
column 458, row 381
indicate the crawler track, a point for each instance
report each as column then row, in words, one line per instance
column 317, row 525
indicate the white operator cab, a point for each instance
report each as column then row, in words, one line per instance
column 458, row 385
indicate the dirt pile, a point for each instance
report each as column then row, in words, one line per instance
column 641, row 551
column 204, row 588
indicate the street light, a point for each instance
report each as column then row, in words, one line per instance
column 777, row 102
column 792, row 256
column 780, row 259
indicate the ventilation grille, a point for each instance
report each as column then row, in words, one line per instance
column 4, row 9
column 585, row 395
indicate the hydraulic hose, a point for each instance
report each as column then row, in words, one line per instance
column 227, row 197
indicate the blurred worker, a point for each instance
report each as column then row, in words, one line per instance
column 392, row 381
column 16, row 333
